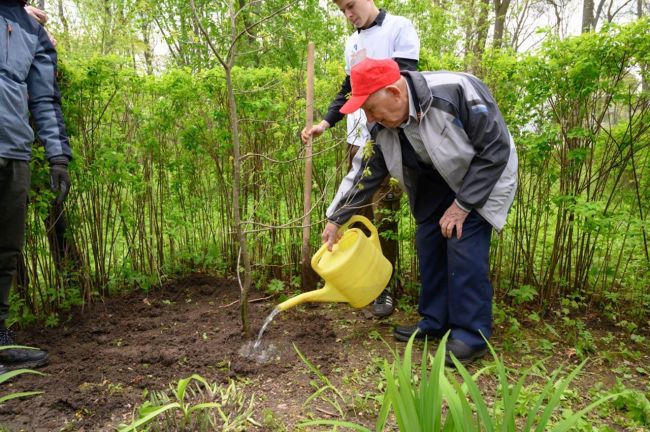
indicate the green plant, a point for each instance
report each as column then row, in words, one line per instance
column 10, row 374
column 633, row 402
column 523, row 294
column 225, row 409
column 275, row 286
column 435, row 400
column 324, row 390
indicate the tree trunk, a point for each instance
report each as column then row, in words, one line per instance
column 64, row 20
column 234, row 127
column 241, row 236
column 500, row 11
column 481, row 35
column 587, row 15
column 645, row 86
column 148, row 50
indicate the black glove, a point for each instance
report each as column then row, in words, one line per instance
column 59, row 178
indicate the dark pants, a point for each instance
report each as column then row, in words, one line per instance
column 14, row 187
column 456, row 292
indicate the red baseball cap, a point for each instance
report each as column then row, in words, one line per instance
column 367, row 77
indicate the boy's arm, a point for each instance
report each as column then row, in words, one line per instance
column 333, row 115
column 406, row 64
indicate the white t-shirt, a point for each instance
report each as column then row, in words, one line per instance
column 394, row 38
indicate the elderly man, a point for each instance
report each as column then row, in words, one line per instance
column 441, row 135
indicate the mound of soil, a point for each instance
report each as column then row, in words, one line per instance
column 103, row 358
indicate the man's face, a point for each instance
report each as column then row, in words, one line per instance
column 388, row 107
column 358, row 12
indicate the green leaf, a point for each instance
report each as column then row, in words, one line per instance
column 146, row 419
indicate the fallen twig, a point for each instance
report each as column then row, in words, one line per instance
column 249, row 301
column 324, row 411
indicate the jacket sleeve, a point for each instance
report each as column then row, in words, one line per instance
column 333, row 115
column 490, row 138
column 45, row 99
column 363, row 186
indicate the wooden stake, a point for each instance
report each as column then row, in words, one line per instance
column 308, row 276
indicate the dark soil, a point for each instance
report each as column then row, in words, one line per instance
column 105, row 356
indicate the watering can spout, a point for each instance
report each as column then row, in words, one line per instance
column 355, row 271
column 325, row 294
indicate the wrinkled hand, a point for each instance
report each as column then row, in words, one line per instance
column 59, row 179
column 454, row 217
column 314, row 132
column 331, row 235
column 37, row 14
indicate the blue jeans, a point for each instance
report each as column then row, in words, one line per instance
column 456, row 293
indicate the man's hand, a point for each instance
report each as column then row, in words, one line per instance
column 453, row 218
column 331, row 235
column 59, row 178
column 37, row 14
column 41, row 17
column 314, row 131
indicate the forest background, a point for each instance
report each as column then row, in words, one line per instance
column 163, row 184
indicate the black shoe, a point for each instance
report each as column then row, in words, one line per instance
column 403, row 333
column 464, row 353
column 19, row 358
column 383, row 305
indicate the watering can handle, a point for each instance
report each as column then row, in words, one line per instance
column 374, row 237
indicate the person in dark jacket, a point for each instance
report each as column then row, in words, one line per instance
column 441, row 135
column 28, row 67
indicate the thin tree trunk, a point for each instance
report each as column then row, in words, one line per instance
column 64, row 20
column 587, row 15
column 645, row 86
column 500, row 11
column 481, row 35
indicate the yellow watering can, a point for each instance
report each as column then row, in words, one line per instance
column 355, row 271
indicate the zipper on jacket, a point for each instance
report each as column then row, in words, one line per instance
column 10, row 30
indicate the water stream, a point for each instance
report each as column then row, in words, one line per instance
column 254, row 350
column 264, row 326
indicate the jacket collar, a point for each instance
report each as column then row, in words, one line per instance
column 419, row 91
column 378, row 21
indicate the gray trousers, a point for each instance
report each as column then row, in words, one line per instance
column 14, row 187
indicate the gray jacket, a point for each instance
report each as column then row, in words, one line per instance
column 465, row 138
column 28, row 65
